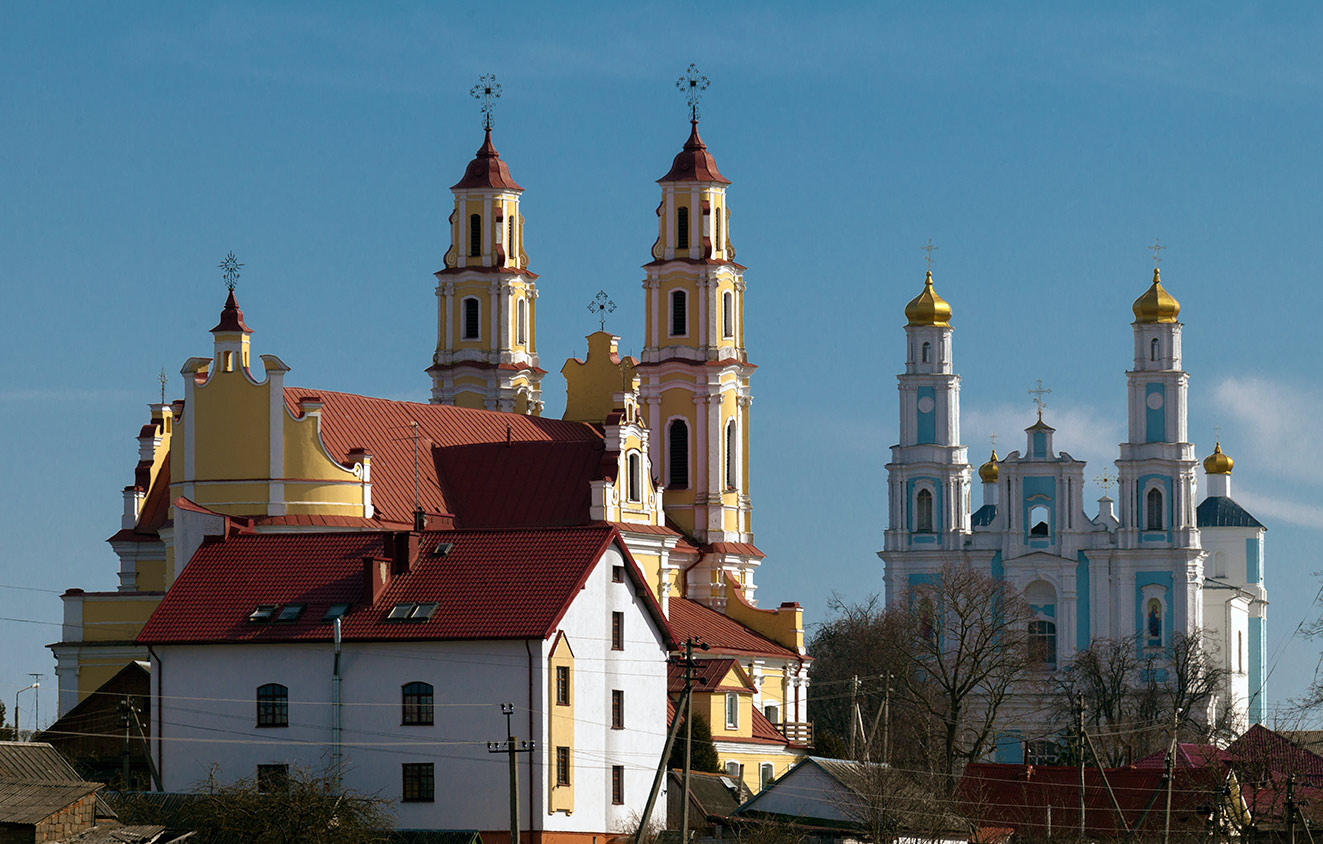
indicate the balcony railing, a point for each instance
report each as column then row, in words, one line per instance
column 797, row 732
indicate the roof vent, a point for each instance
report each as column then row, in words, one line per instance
column 443, row 549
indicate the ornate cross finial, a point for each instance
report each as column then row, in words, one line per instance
column 230, row 269
column 487, row 90
column 163, row 381
column 993, row 437
column 929, row 248
column 601, row 305
column 1038, row 392
column 1217, row 431
column 1156, row 248
column 1105, row 480
column 693, row 84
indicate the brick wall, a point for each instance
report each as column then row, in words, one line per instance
column 69, row 821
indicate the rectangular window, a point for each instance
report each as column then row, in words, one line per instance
column 272, row 778
column 419, row 782
column 732, row 711
column 562, row 766
column 765, row 775
column 562, row 685
column 472, row 320
column 419, row 699
column 617, row 631
column 617, row 709
column 617, row 784
column 772, row 712
column 272, row 705
column 617, row 574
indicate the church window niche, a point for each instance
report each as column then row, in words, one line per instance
column 521, row 318
column 682, row 227
column 1039, row 524
column 923, row 511
column 633, row 477
column 1153, row 510
column 472, row 319
column 1153, row 349
column 227, row 361
column 727, row 314
column 732, row 468
column 1153, row 623
column 475, row 235
column 1220, row 564
column 679, row 314
column 925, row 352
column 678, row 455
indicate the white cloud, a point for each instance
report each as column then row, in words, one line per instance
column 1273, row 424
column 1270, row 508
column 1085, row 432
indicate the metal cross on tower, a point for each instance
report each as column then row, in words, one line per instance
column 1038, row 392
column 993, row 437
column 601, row 305
column 163, row 381
column 1155, row 249
column 1106, row 480
column 230, row 269
column 693, row 84
column 929, row 248
column 487, row 90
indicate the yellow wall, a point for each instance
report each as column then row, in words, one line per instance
column 560, row 729
column 231, row 428
column 112, row 618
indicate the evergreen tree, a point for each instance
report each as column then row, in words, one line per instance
column 703, row 755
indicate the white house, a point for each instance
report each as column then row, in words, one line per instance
column 438, row 630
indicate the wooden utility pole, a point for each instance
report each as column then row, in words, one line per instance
column 1079, row 750
column 854, row 717
column 1290, row 808
column 682, row 711
column 1171, row 759
column 511, row 747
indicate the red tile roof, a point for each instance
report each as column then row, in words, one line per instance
column 487, row 170
column 231, row 318
column 694, row 163
column 742, row 549
column 155, row 510
column 723, row 635
column 707, row 676
column 472, row 585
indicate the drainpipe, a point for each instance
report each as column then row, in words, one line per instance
column 532, row 789
column 336, row 727
column 157, row 706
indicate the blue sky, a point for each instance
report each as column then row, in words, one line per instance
column 1042, row 148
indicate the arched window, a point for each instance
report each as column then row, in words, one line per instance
column 272, row 705
column 727, row 314
column 1039, row 524
column 716, row 234
column 633, row 478
column 418, row 702
column 923, row 506
column 677, row 455
column 521, row 316
column 472, row 319
column 1153, row 349
column 733, row 769
column 1153, row 510
column 475, row 235
column 765, row 775
column 682, row 227
column 925, row 351
column 679, row 315
column 732, row 454
column 1043, row 642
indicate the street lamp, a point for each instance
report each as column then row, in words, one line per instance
column 34, row 686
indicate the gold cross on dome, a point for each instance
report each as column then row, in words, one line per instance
column 1155, row 249
column 601, row 305
column 1105, row 480
column 1038, row 392
column 693, row 84
column 929, row 248
column 487, row 90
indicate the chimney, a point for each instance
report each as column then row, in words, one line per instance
column 402, row 548
column 376, row 576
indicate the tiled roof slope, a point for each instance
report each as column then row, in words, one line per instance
column 509, row 584
column 556, row 458
column 722, row 634
column 1220, row 511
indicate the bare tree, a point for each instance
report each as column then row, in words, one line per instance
column 886, row 804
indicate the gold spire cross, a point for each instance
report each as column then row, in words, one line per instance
column 929, row 248
column 1038, row 392
column 693, row 84
column 230, row 270
column 487, row 90
column 601, row 305
column 1105, row 481
column 1155, row 249
column 163, row 381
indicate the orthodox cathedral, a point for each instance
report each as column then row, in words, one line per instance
column 1160, row 565
column 264, row 516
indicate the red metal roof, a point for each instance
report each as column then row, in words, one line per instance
column 694, row 163
column 231, row 318
column 509, row 584
column 487, row 170
column 723, row 634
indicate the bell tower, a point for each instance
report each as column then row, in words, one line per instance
column 486, row 346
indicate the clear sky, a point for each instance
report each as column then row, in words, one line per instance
column 1042, row 149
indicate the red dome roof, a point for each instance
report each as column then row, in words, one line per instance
column 487, row 170
column 231, row 318
column 694, row 163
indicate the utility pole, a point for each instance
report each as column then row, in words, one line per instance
column 36, row 702
column 886, row 722
column 1171, row 759
column 16, row 721
column 1079, row 750
column 854, row 717
column 682, row 710
column 1290, row 808
column 124, row 706
column 511, row 747
column 689, row 666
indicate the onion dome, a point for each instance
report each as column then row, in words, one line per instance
column 694, row 163
column 1218, row 463
column 928, row 308
column 988, row 471
column 487, row 170
column 1156, row 305
column 231, row 318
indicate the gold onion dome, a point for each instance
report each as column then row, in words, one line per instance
column 928, row 308
column 1218, row 463
column 1156, row 305
column 989, row 471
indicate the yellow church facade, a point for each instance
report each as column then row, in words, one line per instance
column 657, row 446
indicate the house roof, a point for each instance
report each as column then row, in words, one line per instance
column 708, row 676
column 713, row 795
column 471, row 585
column 722, row 634
column 1188, row 755
column 1220, row 511
column 24, row 801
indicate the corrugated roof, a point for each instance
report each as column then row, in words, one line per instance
column 24, row 801
column 38, row 760
column 1220, row 511
column 723, row 635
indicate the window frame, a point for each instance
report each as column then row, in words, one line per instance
column 521, row 319
column 421, row 711
column 682, row 297
column 564, row 759
column 766, row 773
column 617, row 631
column 732, row 710
column 634, row 477
column 732, row 456
column 772, row 712
column 617, row 785
column 418, row 782
column 682, row 224
column 1154, row 495
column 672, row 464
column 1042, row 635
column 475, row 236
column 728, row 315
column 923, row 510
column 563, row 693
column 272, row 705
column 617, row 709
column 464, row 318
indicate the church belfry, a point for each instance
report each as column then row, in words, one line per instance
column 486, row 348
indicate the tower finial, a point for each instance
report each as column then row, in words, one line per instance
column 601, row 305
column 1038, row 392
column 163, row 381
column 929, row 248
column 1155, row 249
column 1105, row 481
column 693, row 84
column 230, row 269
column 487, row 90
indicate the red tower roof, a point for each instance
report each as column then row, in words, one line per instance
column 231, row 317
column 694, row 163
column 487, row 170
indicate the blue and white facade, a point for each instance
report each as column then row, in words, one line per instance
column 1152, row 564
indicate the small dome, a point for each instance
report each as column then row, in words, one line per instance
column 1218, row 463
column 1156, row 305
column 928, row 308
column 231, row 318
column 487, row 170
column 694, row 163
column 989, row 471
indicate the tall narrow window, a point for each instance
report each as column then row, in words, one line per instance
column 634, row 480
column 1154, row 520
column 732, row 465
column 772, row 712
column 727, row 314
column 509, row 237
column 765, row 775
column 617, row 631
column 1043, row 643
column 679, row 318
column 1153, row 349
column 472, row 319
column 1240, row 653
column 419, row 782
column 617, row 709
column 562, row 766
column 418, row 703
column 475, row 235
column 716, row 230
column 562, row 685
column 925, row 350
column 678, row 455
column 923, row 505
column 617, row 784
column 272, row 705
column 682, row 227
column 521, row 317
column 732, row 711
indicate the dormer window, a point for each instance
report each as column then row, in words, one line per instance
column 475, row 235
column 682, row 227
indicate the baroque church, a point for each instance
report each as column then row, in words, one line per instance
column 651, row 453
column 1149, row 565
